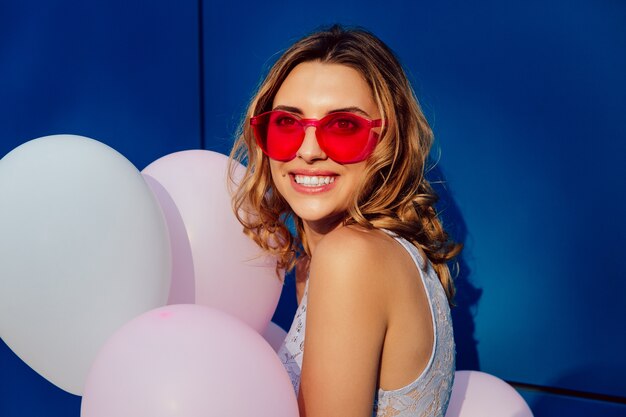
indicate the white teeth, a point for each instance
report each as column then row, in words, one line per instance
column 313, row 181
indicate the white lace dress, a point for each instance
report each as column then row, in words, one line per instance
column 426, row 396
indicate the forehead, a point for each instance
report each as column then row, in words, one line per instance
column 316, row 87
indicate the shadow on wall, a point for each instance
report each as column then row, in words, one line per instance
column 467, row 295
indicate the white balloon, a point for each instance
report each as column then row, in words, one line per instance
column 83, row 249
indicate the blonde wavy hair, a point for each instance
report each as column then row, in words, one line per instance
column 394, row 194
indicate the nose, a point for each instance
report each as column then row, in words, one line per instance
column 310, row 149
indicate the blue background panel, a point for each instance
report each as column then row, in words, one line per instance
column 24, row 393
column 122, row 72
column 550, row 405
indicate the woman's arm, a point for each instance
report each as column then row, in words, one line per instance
column 302, row 271
column 345, row 327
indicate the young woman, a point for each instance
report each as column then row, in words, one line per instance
column 335, row 140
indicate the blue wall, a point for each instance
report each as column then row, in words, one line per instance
column 117, row 71
column 527, row 101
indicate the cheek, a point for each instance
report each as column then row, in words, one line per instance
column 277, row 175
column 357, row 178
column 275, row 170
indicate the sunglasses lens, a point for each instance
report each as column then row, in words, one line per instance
column 279, row 134
column 346, row 137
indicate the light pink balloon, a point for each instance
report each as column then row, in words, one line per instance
column 275, row 335
column 478, row 394
column 187, row 360
column 182, row 286
column 231, row 273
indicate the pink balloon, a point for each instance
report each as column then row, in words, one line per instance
column 182, row 285
column 187, row 360
column 478, row 394
column 275, row 335
column 231, row 272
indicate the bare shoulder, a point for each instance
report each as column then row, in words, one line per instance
column 357, row 262
column 355, row 243
column 369, row 247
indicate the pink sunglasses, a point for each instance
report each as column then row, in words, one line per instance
column 345, row 137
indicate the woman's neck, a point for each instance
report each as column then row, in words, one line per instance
column 316, row 230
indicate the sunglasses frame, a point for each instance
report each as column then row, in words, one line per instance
column 305, row 123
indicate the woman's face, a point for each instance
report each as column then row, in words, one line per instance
column 317, row 188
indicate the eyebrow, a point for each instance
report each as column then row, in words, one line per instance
column 352, row 109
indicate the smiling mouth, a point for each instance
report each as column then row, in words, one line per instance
column 313, row 180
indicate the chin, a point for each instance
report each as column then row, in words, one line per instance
column 310, row 215
column 321, row 218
